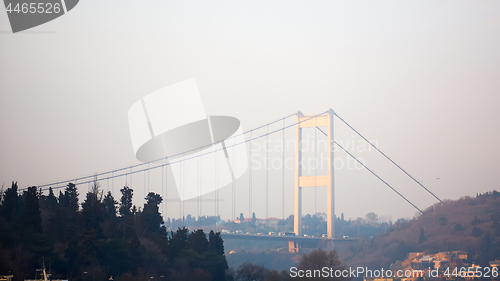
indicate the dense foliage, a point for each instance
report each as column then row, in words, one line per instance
column 316, row 260
column 470, row 225
column 100, row 239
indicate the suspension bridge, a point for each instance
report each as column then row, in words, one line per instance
column 262, row 176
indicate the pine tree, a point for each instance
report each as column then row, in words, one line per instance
column 150, row 217
column 216, row 243
column 11, row 204
column 110, row 206
column 126, row 201
column 198, row 241
column 70, row 200
column 93, row 209
column 421, row 236
column 32, row 218
column 49, row 202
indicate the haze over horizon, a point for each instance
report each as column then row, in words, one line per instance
column 419, row 78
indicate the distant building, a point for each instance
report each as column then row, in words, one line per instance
column 415, row 255
column 495, row 263
column 269, row 221
column 6, row 277
column 441, row 263
column 272, row 221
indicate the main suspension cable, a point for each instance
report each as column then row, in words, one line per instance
column 157, row 160
column 374, row 173
column 183, row 156
column 359, row 134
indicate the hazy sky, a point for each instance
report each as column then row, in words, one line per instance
column 419, row 77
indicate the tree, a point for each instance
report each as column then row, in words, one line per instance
column 372, row 219
column 50, row 201
column 318, row 259
column 495, row 217
column 153, row 198
column 150, row 216
column 178, row 241
column 242, row 218
column 11, row 204
column 110, row 205
column 254, row 219
column 251, row 272
column 32, row 218
column 126, row 201
column 198, row 241
column 63, row 223
column 421, row 237
column 92, row 208
column 443, row 221
column 485, row 250
column 476, row 232
column 274, row 275
column 217, row 261
column 69, row 199
column 92, row 243
column 215, row 243
column 110, row 221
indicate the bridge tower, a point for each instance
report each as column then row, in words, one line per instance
column 314, row 181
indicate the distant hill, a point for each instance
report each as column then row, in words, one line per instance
column 468, row 224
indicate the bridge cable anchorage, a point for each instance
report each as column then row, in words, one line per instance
column 359, row 134
column 374, row 174
column 178, row 161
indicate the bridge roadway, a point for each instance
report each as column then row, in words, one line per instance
column 295, row 243
column 281, row 237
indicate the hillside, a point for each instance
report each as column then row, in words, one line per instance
column 468, row 224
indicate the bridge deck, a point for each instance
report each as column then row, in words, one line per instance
column 282, row 238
